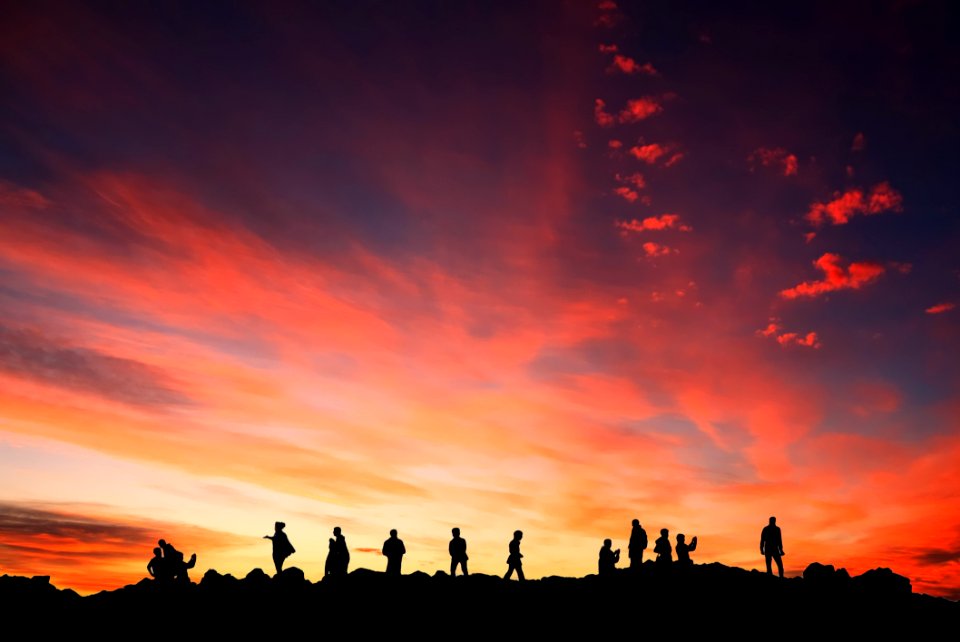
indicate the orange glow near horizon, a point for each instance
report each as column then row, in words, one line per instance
column 198, row 342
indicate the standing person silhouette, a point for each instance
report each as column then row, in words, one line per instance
column 663, row 549
column 282, row 548
column 173, row 562
column 157, row 567
column 638, row 543
column 330, row 567
column 607, row 563
column 515, row 560
column 771, row 545
column 684, row 549
column 458, row 553
column 342, row 553
column 393, row 550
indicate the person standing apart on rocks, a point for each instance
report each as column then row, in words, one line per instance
column 458, row 553
column 282, row 548
column 515, row 560
column 394, row 550
column 771, row 545
column 638, row 543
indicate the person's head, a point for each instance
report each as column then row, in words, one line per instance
column 681, row 538
column 456, row 532
column 162, row 543
column 157, row 551
column 517, row 534
column 607, row 543
column 636, row 523
column 336, row 531
column 773, row 521
column 278, row 526
column 393, row 532
column 664, row 532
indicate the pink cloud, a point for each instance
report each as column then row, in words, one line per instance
column 600, row 114
column 774, row 157
column 607, row 5
column 13, row 196
column 579, row 139
column 843, row 207
column 662, row 222
column 836, row 277
column 626, row 65
column 614, row 144
column 859, row 142
column 940, row 308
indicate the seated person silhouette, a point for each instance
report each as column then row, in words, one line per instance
column 458, row 553
column 393, row 550
column 684, row 549
column 607, row 563
column 771, row 545
column 514, row 561
column 663, row 549
column 282, row 548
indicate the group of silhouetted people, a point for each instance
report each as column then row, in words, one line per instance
column 168, row 564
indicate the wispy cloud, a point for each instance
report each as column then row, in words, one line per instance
column 836, row 277
column 854, row 202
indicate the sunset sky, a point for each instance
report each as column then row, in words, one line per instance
column 547, row 266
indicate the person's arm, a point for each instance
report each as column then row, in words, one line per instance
column 268, row 537
column 693, row 544
column 761, row 542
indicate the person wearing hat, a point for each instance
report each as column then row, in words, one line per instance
column 282, row 548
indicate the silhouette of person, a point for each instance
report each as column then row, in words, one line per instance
column 607, row 563
column 393, row 550
column 771, row 545
column 663, row 549
column 175, row 567
column 515, row 560
column 342, row 556
column 638, row 543
column 458, row 553
column 282, row 548
column 157, row 567
column 330, row 567
column 684, row 549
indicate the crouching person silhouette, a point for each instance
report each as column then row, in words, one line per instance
column 607, row 563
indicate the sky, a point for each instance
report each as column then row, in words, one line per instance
column 548, row 266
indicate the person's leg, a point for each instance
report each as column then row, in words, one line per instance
column 779, row 561
column 463, row 567
column 453, row 568
column 769, row 570
column 509, row 572
column 278, row 562
column 520, row 572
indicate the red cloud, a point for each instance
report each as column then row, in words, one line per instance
column 654, row 152
column 579, row 139
column 607, row 5
column 843, row 207
column 662, row 222
column 810, row 340
column 940, row 308
column 614, row 144
column 600, row 114
column 629, row 66
column 859, row 142
column 835, row 277
column 636, row 179
column 12, row 196
column 608, row 48
column 792, row 338
column 638, row 109
column 627, row 193
column 774, row 157
column 655, row 249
